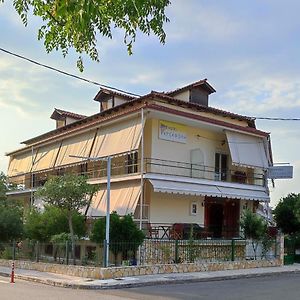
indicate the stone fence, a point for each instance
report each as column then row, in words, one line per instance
column 116, row 272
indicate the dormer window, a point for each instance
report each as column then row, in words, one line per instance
column 60, row 123
column 109, row 99
column 197, row 92
column 104, row 105
column 64, row 118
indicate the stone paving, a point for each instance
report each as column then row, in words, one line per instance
column 123, row 282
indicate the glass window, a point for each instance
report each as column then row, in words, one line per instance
column 194, row 208
column 221, row 166
column 132, row 162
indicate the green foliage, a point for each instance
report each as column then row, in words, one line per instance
column 11, row 214
column 70, row 192
column 287, row 214
column 253, row 226
column 76, row 24
column 125, row 237
column 11, row 222
column 60, row 238
column 3, row 187
column 7, row 253
column 53, row 221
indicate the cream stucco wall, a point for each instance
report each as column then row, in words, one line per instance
column 184, row 96
column 118, row 100
column 208, row 141
column 174, row 208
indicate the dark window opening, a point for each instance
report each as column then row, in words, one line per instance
column 132, row 162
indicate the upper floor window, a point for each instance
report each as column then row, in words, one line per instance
column 104, row 105
column 221, row 166
column 132, row 162
column 60, row 123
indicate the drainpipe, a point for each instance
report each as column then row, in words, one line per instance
column 142, row 172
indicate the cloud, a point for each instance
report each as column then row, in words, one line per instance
column 197, row 20
column 263, row 95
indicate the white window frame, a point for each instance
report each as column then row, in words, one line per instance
column 194, row 205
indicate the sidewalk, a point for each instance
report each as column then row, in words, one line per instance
column 125, row 282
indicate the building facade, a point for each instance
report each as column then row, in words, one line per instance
column 174, row 160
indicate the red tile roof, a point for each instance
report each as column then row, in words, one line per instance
column 203, row 83
column 65, row 113
column 104, row 91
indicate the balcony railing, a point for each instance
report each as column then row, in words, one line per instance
column 121, row 167
column 168, row 167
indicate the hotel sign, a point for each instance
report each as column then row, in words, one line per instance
column 280, row 172
column 173, row 132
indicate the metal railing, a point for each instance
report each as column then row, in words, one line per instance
column 121, row 167
column 148, row 253
column 168, row 167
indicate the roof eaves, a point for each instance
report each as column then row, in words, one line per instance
column 201, row 107
column 191, row 85
column 79, row 122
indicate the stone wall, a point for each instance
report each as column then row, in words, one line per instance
column 171, row 251
column 115, row 272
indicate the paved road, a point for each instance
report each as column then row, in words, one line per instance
column 277, row 287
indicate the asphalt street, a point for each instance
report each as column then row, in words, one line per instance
column 275, row 287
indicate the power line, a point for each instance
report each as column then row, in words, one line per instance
column 66, row 73
column 277, row 119
column 111, row 87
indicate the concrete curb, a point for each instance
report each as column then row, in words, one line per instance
column 137, row 283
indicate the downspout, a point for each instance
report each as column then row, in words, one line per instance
column 142, row 172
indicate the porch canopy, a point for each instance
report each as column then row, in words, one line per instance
column 199, row 189
column 247, row 150
column 124, row 197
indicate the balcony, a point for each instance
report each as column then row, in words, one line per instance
column 175, row 168
column 131, row 165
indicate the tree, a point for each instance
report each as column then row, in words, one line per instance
column 287, row 214
column 42, row 226
column 76, row 24
column 11, row 222
column 70, row 193
column 11, row 214
column 3, row 187
column 254, row 227
column 124, row 235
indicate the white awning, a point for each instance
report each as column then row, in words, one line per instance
column 246, row 150
column 123, row 199
column 45, row 157
column 184, row 188
column 248, row 193
column 118, row 138
column 79, row 145
column 20, row 163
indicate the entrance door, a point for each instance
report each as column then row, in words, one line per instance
column 214, row 217
column 222, row 217
column 231, row 218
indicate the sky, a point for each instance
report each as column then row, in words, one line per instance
column 248, row 50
